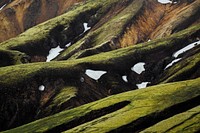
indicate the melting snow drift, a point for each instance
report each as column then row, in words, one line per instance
column 54, row 52
column 172, row 63
column 188, row 47
column 125, row 78
column 164, row 1
column 181, row 51
column 94, row 74
column 142, row 85
column 86, row 28
column 138, row 68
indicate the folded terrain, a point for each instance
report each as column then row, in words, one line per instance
column 65, row 74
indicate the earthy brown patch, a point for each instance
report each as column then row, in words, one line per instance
column 155, row 21
column 19, row 15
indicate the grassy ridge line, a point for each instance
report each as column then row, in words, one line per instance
column 9, row 76
column 109, row 30
column 142, row 103
column 41, row 31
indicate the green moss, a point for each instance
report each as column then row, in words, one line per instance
column 181, row 123
column 63, row 96
column 104, row 61
column 109, row 30
column 42, row 31
column 13, row 75
column 142, row 104
column 12, row 57
column 181, row 69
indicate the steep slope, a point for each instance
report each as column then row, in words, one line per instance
column 128, row 112
column 100, row 48
column 68, row 79
column 20, row 15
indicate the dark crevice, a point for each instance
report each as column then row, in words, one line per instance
column 191, row 117
column 151, row 119
column 89, row 117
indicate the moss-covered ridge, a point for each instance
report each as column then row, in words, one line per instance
column 67, row 28
column 104, row 37
column 147, row 106
column 184, row 122
column 108, row 20
column 11, row 57
column 42, row 32
column 105, row 61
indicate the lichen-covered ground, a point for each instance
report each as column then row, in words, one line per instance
column 68, row 93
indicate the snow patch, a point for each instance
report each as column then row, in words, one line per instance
column 188, row 47
column 69, row 44
column 2, row 7
column 41, row 88
column 142, row 85
column 138, row 68
column 54, row 52
column 94, row 74
column 172, row 63
column 125, row 78
column 164, row 1
column 86, row 28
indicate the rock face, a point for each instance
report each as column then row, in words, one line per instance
column 98, row 49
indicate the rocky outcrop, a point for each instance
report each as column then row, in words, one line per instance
column 102, row 43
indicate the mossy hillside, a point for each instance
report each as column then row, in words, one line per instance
column 22, row 74
column 41, row 32
column 105, row 61
column 142, row 104
column 65, row 94
column 184, row 122
column 12, row 57
column 104, row 34
column 181, row 69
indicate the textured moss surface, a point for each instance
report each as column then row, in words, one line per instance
column 58, row 93
column 144, row 105
column 109, row 30
column 184, row 122
column 42, row 31
column 104, row 61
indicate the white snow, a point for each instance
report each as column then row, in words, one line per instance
column 172, row 63
column 142, row 85
column 188, row 47
column 138, row 68
column 164, row 1
column 54, row 52
column 125, row 78
column 2, row 7
column 41, row 88
column 86, row 28
column 69, row 44
column 94, row 74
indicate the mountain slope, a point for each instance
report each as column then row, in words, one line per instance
column 95, row 50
